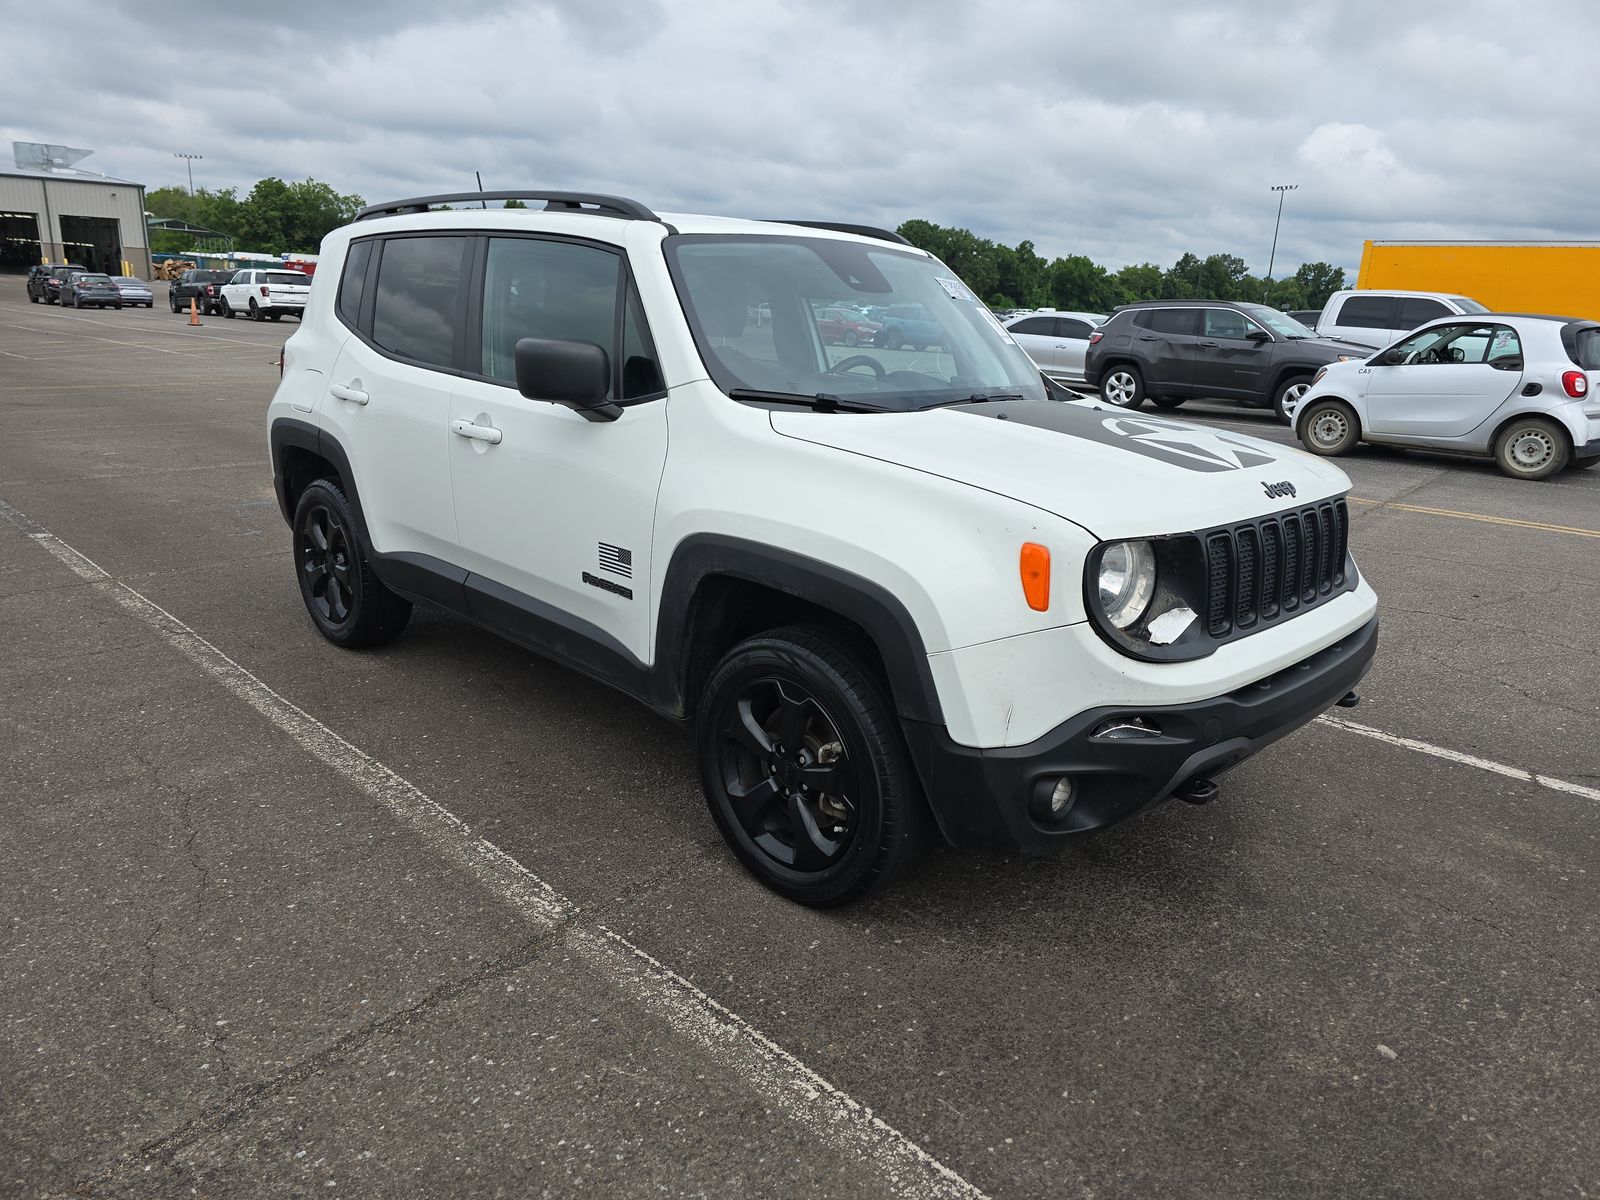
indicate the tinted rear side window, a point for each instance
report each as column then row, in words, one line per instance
column 353, row 281
column 1071, row 327
column 1416, row 311
column 1175, row 320
column 1588, row 355
column 418, row 298
column 1039, row 325
column 1369, row 312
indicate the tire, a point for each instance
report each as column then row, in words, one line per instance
column 172, row 302
column 255, row 312
column 1122, row 386
column 275, row 316
column 1329, row 428
column 1583, row 464
column 850, row 338
column 814, row 847
column 118, row 307
column 1531, row 448
column 347, row 601
column 892, row 340
column 1168, row 401
column 1292, row 389
column 225, row 309
column 32, row 299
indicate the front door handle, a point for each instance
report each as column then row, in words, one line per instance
column 479, row 433
column 1145, row 337
column 354, row 395
column 1209, row 345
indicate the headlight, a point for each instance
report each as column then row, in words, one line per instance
column 1349, row 358
column 1127, row 581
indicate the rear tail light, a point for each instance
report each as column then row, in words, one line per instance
column 1575, row 384
column 1095, row 337
column 263, row 289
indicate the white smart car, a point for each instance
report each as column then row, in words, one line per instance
column 1518, row 388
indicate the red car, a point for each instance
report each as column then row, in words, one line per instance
column 847, row 326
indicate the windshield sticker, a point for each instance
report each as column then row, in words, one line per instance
column 956, row 289
column 998, row 327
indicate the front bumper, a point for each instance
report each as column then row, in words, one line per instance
column 981, row 797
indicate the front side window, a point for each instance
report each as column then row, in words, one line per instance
column 537, row 289
column 1225, row 323
column 418, row 298
column 1453, row 345
column 751, row 302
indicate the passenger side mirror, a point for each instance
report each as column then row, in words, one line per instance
column 575, row 374
column 1258, row 335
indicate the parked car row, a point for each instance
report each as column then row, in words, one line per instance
column 72, row 285
column 258, row 293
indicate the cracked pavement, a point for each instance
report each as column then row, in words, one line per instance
column 226, row 971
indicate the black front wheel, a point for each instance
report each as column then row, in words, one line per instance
column 804, row 768
column 347, row 601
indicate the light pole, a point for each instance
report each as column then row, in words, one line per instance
column 1280, row 188
column 189, row 162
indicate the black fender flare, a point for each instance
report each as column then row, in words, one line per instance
column 288, row 432
column 858, row 599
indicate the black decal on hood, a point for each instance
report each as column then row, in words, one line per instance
column 1191, row 446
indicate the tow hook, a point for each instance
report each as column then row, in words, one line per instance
column 1197, row 791
column 1350, row 700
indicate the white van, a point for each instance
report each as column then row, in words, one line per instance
column 1379, row 319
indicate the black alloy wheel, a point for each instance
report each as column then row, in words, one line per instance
column 347, row 601
column 804, row 769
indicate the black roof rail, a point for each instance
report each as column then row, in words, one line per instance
column 608, row 206
column 871, row 231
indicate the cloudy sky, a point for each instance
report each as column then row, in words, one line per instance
column 1128, row 132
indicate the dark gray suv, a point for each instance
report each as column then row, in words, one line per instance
column 1170, row 350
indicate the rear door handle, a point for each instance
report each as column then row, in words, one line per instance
column 354, row 395
column 1145, row 337
column 479, row 433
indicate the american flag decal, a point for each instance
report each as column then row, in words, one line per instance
column 616, row 560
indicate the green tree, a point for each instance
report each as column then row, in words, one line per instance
column 1318, row 281
column 1143, row 281
column 515, row 204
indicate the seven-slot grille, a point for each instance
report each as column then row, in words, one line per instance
column 1275, row 567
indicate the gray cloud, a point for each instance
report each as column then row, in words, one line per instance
column 1128, row 133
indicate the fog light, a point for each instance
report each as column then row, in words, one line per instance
column 1052, row 797
column 1121, row 728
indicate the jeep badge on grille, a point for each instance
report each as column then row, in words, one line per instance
column 1284, row 488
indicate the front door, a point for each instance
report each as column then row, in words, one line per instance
column 1227, row 361
column 1444, row 381
column 1036, row 336
column 556, row 511
column 1166, row 342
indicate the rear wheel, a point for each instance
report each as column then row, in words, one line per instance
column 347, row 601
column 1123, row 386
column 1329, row 428
column 276, row 316
column 172, row 302
column 32, row 299
column 892, row 340
column 255, row 312
column 804, row 768
column 1531, row 448
column 225, row 308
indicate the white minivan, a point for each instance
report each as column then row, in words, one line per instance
column 891, row 590
column 1381, row 318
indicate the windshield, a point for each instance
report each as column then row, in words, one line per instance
column 760, row 309
column 1469, row 306
column 1281, row 323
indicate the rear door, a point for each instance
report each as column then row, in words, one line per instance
column 1227, row 362
column 1450, row 379
column 1166, row 342
column 1036, row 336
column 388, row 400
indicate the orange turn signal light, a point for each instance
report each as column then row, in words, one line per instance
column 1035, row 568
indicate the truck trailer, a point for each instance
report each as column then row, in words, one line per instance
column 1532, row 277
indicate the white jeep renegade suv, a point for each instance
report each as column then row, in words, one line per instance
column 888, row 589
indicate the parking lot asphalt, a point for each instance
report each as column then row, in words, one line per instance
column 253, row 944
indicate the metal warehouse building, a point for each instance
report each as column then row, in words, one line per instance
column 72, row 216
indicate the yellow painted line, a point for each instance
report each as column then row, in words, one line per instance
column 1574, row 530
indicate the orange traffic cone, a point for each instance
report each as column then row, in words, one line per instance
column 194, row 313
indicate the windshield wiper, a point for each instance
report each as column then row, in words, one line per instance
column 982, row 398
column 819, row 401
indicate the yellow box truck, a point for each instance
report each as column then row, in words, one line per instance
column 1532, row 277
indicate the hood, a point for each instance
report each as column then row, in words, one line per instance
column 1329, row 349
column 1116, row 474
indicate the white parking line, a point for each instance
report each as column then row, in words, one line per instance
column 828, row 1114
column 1466, row 760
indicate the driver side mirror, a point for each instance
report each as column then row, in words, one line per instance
column 1258, row 336
column 574, row 374
column 1392, row 357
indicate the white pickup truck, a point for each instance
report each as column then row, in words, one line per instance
column 1381, row 318
column 265, row 294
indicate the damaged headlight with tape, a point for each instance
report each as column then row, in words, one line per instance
column 1145, row 595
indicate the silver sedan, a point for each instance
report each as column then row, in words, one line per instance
column 134, row 291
